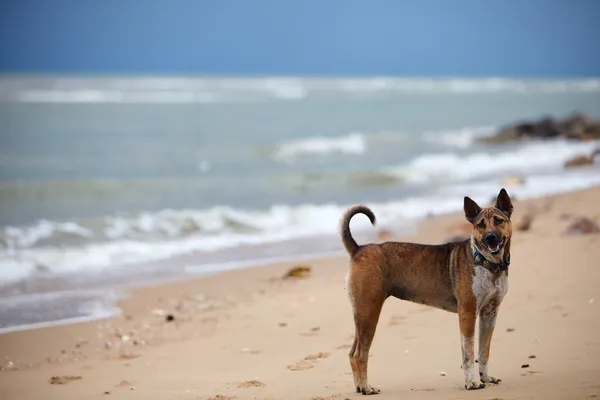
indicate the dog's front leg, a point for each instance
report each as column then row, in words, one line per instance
column 487, row 322
column 467, row 316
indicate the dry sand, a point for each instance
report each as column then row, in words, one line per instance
column 252, row 335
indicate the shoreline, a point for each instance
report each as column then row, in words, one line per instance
column 250, row 334
column 195, row 270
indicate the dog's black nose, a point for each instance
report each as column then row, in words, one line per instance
column 491, row 238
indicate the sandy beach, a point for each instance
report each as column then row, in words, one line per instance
column 251, row 334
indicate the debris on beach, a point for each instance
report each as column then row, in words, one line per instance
column 64, row 379
column 300, row 271
column 582, row 226
column 525, row 366
column 283, row 324
column 441, row 373
column 532, row 356
column 510, row 329
column 169, row 318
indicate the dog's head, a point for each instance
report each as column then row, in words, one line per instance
column 492, row 227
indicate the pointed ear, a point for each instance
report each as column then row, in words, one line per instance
column 503, row 203
column 472, row 210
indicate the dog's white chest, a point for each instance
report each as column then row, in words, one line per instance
column 487, row 287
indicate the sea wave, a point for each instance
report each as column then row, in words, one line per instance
column 455, row 167
column 168, row 90
column 357, row 143
column 452, row 164
column 149, row 237
column 353, row 143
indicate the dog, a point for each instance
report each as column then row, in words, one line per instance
column 469, row 277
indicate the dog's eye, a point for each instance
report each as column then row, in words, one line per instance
column 498, row 221
column 481, row 224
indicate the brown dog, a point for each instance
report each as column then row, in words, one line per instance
column 468, row 278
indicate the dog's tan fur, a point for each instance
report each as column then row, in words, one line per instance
column 465, row 277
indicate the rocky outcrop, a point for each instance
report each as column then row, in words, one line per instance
column 579, row 127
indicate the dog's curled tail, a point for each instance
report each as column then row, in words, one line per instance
column 349, row 242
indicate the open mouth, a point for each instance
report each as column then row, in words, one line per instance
column 495, row 247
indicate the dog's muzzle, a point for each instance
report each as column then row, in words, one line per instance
column 494, row 242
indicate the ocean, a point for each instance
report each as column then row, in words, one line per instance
column 112, row 181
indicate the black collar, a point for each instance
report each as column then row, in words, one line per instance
column 480, row 259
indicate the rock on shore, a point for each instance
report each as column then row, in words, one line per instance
column 578, row 127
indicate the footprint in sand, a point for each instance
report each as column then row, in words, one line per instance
column 221, row 397
column 251, row 383
column 300, row 366
column 124, row 384
column 316, row 356
column 307, row 362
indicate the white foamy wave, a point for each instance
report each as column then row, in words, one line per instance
column 453, row 167
column 29, row 236
column 211, row 90
column 277, row 224
column 353, row 143
column 460, row 138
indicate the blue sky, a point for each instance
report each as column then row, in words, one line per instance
column 303, row 37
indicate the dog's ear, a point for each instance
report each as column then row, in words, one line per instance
column 503, row 203
column 472, row 210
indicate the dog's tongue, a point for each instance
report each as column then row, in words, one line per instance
column 494, row 247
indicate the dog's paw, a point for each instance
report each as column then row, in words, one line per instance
column 367, row 390
column 490, row 379
column 474, row 385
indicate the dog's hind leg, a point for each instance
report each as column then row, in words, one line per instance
column 366, row 317
column 352, row 361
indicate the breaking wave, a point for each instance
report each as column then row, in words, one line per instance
column 117, row 242
column 353, row 143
